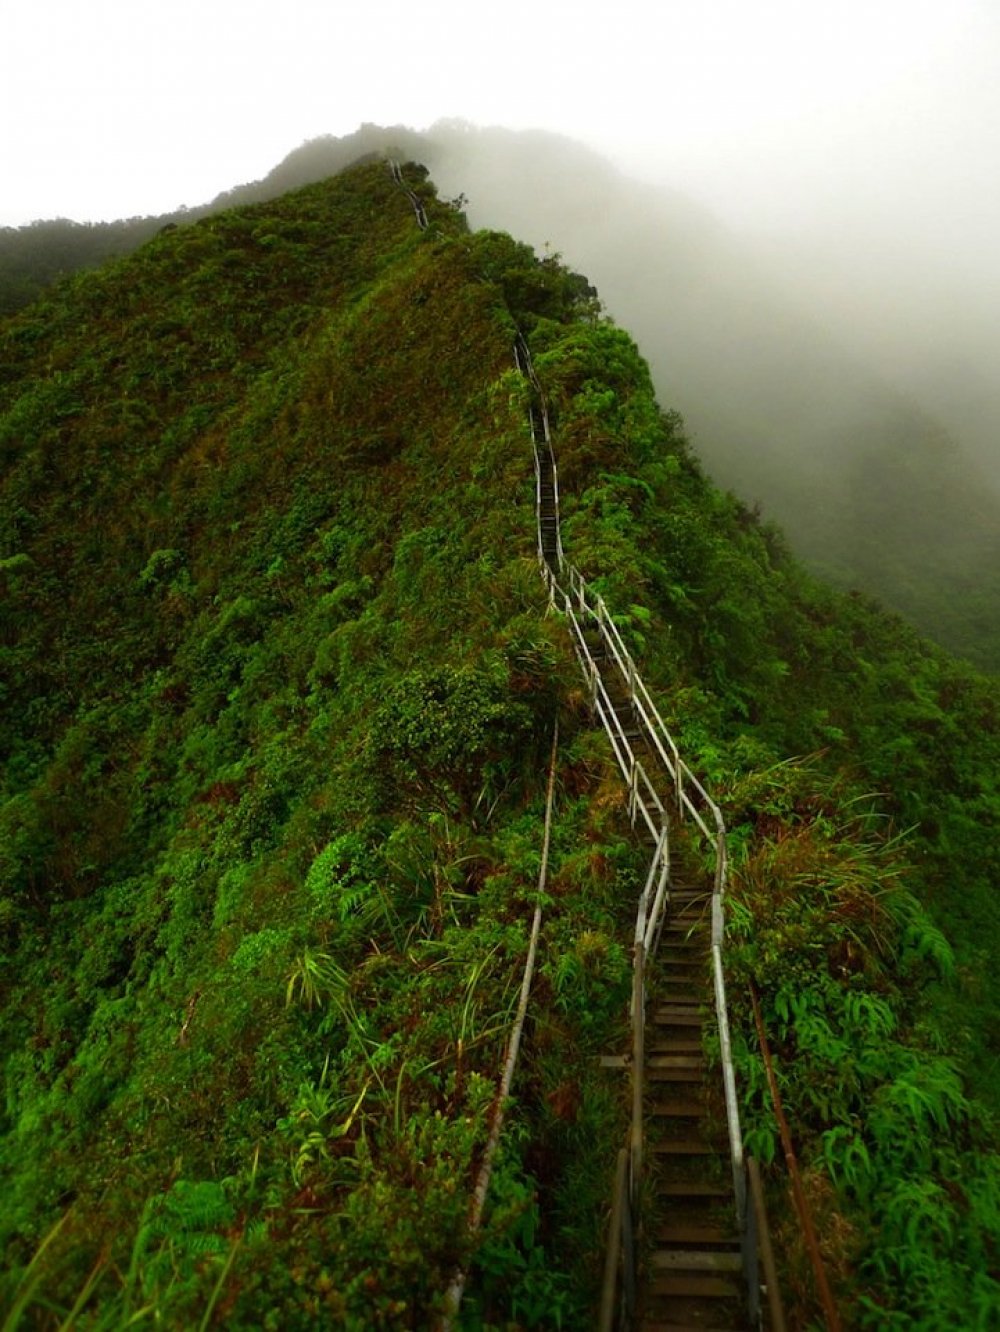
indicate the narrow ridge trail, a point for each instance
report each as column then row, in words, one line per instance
column 694, row 1273
column 688, row 1213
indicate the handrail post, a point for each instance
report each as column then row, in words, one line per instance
column 729, row 1082
column 615, row 1251
column 749, row 1244
column 638, row 1061
column 721, row 854
column 763, row 1231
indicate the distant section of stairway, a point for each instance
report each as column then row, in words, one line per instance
column 681, row 1191
column 416, row 203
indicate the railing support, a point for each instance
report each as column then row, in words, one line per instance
column 775, row 1307
column 616, row 1243
column 638, row 1073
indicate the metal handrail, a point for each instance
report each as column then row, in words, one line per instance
column 568, row 589
column 416, row 203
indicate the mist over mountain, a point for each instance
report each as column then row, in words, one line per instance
column 883, row 481
column 887, row 486
column 875, row 487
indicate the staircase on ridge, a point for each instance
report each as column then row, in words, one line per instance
column 548, row 516
column 692, row 1276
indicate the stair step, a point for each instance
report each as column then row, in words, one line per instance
column 675, row 1074
column 693, row 1188
column 671, row 1046
column 655, row 1324
column 678, row 1015
column 678, row 1108
column 682, row 1147
column 704, row 1287
column 695, row 1260
column 677, row 1232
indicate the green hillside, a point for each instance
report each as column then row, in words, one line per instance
column 278, row 687
column 876, row 489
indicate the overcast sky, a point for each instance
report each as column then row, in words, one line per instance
column 864, row 131
column 119, row 107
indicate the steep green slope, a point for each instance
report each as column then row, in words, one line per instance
column 279, row 687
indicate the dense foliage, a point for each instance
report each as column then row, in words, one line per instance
column 279, row 688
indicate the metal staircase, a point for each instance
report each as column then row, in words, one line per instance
column 682, row 1253
column 681, row 1182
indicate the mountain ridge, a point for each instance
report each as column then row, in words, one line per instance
column 782, row 411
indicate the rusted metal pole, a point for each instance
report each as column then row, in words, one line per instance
column 798, row 1193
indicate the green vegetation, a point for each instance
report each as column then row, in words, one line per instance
column 279, row 685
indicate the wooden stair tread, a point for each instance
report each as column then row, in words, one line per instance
column 695, row 1260
column 682, row 1147
column 693, row 1188
column 706, row 1287
column 693, row 1233
column 678, row 1108
column 655, row 1324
